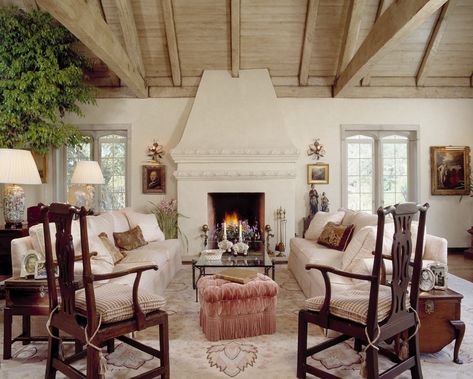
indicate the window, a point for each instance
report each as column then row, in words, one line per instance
column 110, row 149
column 379, row 167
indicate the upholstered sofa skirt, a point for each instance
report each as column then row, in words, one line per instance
column 231, row 310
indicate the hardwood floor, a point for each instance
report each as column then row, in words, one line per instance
column 460, row 266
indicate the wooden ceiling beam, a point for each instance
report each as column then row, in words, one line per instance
column 171, row 39
column 94, row 33
column 235, row 30
column 382, row 6
column 130, row 34
column 395, row 23
column 352, row 30
column 310, row 21
column 434, row 42
column 96, row 6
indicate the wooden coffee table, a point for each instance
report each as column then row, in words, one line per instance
column 255, row 259
column 439, row 313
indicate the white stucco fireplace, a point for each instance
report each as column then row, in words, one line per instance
column 235, row 141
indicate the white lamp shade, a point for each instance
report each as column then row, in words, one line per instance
column 18, row 167
column 87, row 172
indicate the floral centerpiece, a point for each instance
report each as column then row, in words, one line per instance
column 167, row 216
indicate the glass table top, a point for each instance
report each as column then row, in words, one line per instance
column 253, row 259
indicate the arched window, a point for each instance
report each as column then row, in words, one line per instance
column 379, row 166
column 110, row 148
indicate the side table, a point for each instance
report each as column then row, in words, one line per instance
column 26, row 298
column 6, row 236
column 439, row 313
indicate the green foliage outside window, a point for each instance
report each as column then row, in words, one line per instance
column 41, row 78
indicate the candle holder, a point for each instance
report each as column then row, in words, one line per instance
column 205, row 234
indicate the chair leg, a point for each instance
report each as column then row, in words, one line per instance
column 302, row 346
column 53, row 353
column 110, row 346
column 358, row 345
column 164, row 346
column 93, row 363
column 414, row 351
column 372, row 369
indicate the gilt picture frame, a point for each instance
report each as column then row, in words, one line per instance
column 318, row 173
column 41, row 161
column 450, row 170
column 154, row 179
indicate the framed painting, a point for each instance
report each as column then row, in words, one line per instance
column 317, row 173
column 154, row 179
column 450, row 170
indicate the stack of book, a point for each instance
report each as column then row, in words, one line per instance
column 237, row 275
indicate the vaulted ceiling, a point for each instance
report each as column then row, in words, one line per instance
column 312, row 48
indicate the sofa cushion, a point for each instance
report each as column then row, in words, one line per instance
column 147, row 223
column 145, row 254
column 112, row 250
column 103, row 223
column 354, row 246
column 114, row 302
column 336, row 236
column 129, row 240
column 118, row 220
column 319, row 221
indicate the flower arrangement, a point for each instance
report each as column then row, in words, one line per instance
column 167, row 216
column 249, row 232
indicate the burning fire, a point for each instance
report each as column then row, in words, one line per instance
column 231, row 218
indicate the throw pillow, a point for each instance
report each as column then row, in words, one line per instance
column 147, row 223
column 336, row 236
column 319, row 221
column 132, row 239
column 116, row 254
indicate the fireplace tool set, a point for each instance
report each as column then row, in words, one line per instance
column 281, row 222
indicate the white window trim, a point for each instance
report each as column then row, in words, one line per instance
column 101, row 129
column 377, row 131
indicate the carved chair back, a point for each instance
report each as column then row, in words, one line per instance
column 405, row 273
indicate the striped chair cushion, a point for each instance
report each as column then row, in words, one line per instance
column 115, row 302
column 353, row 304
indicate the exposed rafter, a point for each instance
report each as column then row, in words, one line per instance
column 352, row 30
column 96, row 6
column 312, row 10
column 171, row 39
column 94, row 33
column 235, row 9
column 130, row 34
column 434, row 42
column 395, row 23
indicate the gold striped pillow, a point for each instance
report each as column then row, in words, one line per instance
column 115, row 302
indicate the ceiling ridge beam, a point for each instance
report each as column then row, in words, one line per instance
column 395, row 23
column 434, row 42
column 94, row 33
column 352, row 31
column 171, row 40
column 235, row 30
column 130, row 34
column 307, row 45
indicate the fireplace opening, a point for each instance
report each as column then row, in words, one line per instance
column 232, row 208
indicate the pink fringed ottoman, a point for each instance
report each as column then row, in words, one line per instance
column 230, row 310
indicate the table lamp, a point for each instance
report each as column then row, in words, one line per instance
column 86, row 174
column 16, row 167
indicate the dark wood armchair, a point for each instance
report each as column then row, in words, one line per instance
column 95, row 314
column 372, row 313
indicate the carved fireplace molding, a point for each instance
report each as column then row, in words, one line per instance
column 234, row 174
column 234, row 155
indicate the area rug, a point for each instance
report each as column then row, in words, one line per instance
column 272, row 356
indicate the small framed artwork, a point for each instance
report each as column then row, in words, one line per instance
column 154, row 179
column 40, row 270
column 440, row 272
column 317, row 173
column 450, row 170
column 28, row 264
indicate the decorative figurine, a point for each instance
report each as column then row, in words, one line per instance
column 324, row 203
column 241, row 248
column 313, row 200
column 268, row 231
column 316, row 150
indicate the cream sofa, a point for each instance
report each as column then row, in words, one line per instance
column 164, row 253
column 357, row 256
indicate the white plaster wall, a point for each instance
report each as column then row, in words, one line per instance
column 441, row 122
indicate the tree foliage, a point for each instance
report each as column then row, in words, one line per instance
column 41, row 78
